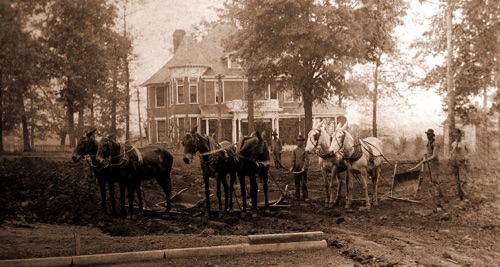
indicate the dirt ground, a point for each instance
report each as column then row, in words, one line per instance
column 45, row 200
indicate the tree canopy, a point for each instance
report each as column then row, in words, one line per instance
column 310, row 44
column 475, row 65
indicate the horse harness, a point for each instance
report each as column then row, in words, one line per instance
column 358, row 149
column 123, row 156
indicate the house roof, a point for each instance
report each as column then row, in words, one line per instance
column 209, row 52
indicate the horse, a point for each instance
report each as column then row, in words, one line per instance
column 217, row 161
column 253, row 154
column 363, row 157
column 131, row 166
column 318, row 143
column 87, row 148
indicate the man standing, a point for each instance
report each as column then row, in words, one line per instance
column 458, row 160
column 300, row 164
column 433, row 161
column 276, row 148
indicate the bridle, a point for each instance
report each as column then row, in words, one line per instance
column 340, row 144
column 314, row 139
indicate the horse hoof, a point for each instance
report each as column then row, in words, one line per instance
column 268, row 211
column 243, row 214
column 365, row 208
column 254, row 215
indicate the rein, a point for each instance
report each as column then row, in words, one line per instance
column 216, row 150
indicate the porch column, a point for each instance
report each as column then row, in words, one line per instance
column 234, row 130
column 239, row 129
column 207, row 131
column 277, row 125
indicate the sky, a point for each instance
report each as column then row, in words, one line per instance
column 153, row 23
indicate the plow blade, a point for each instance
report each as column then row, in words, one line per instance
column 406, row 185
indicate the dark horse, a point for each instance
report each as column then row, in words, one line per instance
column 217, row 161
column 87, row 148
column 254, row 157
column 131, row 166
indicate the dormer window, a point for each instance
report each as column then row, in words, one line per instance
column 233, row 63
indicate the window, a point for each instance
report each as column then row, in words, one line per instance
column 273, row 93
column 288, row 95
column 216, row 87
column 182, row 127
column 194, row 123
column 245, row 91
column 193, row 90
column 161, row 131
column 160, row 96
column 180, row 91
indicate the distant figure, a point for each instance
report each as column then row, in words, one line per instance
column 276, row 148
column 458, row 160
column 300, row 164
column 433, row 160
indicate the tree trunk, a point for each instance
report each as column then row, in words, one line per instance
column 219, row 108
column 375, row 98
column 307, row 101
column 26, row 134
column 1, row 111
column 62, row 134
column 449, row 75
column 127, row 78
column 114, row 95
column 80, row 124
column 250, row 103
column 71, row 123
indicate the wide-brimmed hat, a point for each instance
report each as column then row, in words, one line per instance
column 430, row 131
column 300, row 138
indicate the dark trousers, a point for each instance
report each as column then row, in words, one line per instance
column 458, row 168
column 301, row 183
column 433, row 168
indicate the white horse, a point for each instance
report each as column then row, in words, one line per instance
column 318, row 143
column 362, row 157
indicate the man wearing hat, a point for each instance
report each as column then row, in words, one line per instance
column 300, row 164
column 433, row 160
column 458, row 160
column 276, row 148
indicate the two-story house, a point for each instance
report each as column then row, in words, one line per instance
column 202, row 83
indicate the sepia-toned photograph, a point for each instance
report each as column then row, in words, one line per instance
column 249, row 133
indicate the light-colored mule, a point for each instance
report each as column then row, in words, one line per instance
column 318, row 143
column 362, row 157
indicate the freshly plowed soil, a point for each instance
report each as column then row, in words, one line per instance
column 48, row 203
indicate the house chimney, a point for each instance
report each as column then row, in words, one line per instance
column 178, row 36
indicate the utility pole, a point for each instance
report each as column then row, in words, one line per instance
column 219, row 106
column 449, row 75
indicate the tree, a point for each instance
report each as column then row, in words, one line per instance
column 21, row 56
column 473, row 57
column 379, row 19
column 304, row 41
column 78, row 34
column 311, row 44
